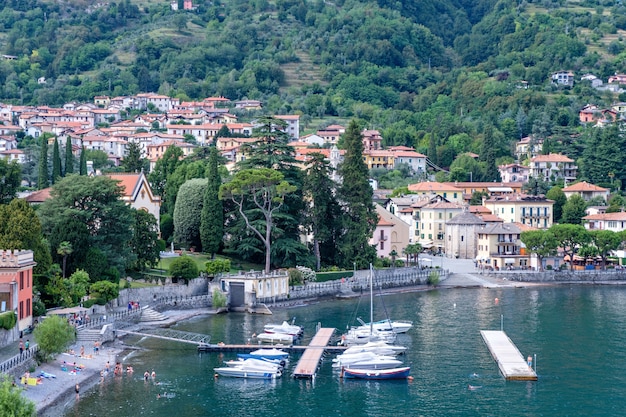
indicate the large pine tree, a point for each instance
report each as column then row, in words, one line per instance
column 271, row 150
column 355, row 193
column 43, row 180
column 212, row 224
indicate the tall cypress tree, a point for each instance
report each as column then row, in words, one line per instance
column 83, row 162
column 488, row 155
column 359, row 218
column 212, row 218
column 69, row 157
column 43, row 181
column 56, row 162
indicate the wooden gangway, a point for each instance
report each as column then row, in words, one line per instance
column 173, row 335
column 309, row 361
column 509, row 359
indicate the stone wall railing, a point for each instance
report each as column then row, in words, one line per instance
column 561, row 276
column 386, row 278
column 183, row 302
column 18, row 360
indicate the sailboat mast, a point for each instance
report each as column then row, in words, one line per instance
column 371, row 300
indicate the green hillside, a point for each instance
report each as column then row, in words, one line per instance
column 442, row 76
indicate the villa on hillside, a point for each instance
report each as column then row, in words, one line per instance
column 138, row 194
column 587, row 191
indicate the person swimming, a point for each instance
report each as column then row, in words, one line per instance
column 474, row 387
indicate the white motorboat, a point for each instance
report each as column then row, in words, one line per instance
column 359, row 336
column 380, row 348
column 249, row 371
column 265, row 354
column 379, row 362
column 361, row 357
column 270, row 364
column 396, row 326
column 275, row 338
column 284, row 328
column 392, row 373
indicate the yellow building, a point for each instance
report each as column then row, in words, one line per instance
column 500, row 247
column 432, row 223
column 446, row 190
column 379, row 159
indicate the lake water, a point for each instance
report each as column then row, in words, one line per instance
column 578, row 334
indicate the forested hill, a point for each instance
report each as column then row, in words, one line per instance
column 440, row 75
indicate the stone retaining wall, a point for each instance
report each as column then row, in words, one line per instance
column 149, row 295
column 560, row 276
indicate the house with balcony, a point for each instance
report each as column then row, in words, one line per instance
column 500, row 247
column 391, row 233
column 615, row 222
column 379, row 159
column 293, row 125
column 372, row 140
column 515, row 172
column 530, row 210
column 563, row 78
column 432, row 223
column 16, row 285
column 553, row 167
column 587, row 191
column 528, row 147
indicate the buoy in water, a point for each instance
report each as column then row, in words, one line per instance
column 409, row 378
column 496, row 300
column 454, row 305
column 215, row 376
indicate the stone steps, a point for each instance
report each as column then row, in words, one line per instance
column 148, row 314
column 88, row 335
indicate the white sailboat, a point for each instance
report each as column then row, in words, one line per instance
column 361, row 335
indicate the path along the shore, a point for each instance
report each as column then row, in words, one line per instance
column 55, row 394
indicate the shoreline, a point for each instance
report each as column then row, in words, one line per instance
column 55, row 396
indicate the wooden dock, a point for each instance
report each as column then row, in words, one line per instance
column 510, row 361
column 308, row 363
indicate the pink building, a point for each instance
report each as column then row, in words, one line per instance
column 16, row 285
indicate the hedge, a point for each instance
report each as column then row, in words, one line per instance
column 331, row 276
column 8, row 320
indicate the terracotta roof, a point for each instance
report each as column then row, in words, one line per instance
column 619, row 216
column 432, row 186
column 383, row 222
column 39, row 196
column 490, row 218
column 479, row 209
column 128, row 182
column 553, row 157
column 443, row 205
column 584, row 186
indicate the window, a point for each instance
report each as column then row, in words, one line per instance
column 512, row 210
column 462, row 237
column 445, row 195
column 439, row 216
column 21, row 280
column 440, row 225
column 439, row 236
column 454, row 195
column 382, row 245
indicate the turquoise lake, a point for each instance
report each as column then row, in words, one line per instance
column 577, row 332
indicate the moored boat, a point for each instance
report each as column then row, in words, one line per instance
column 248, row 372
column 266, row 354
column 284, row 328
column 375, row 362
column 391, row 373
column 275, row 338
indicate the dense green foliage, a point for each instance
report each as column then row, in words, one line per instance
column 11, row 174
column 89, row 213
column 144, row 242
column 359, row 217
column 53, row 336
column 442, row 76
column 12, row 402
column 184, row 269
column 8, row 319
column 188, row 213
column 212, row 220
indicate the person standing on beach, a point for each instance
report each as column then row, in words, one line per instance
column 77, row 389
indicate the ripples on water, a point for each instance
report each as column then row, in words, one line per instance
column 578, row 334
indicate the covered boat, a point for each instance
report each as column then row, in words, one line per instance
column 275, row 338
column 266, row 354
column 284, row 328
column 391, row 373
